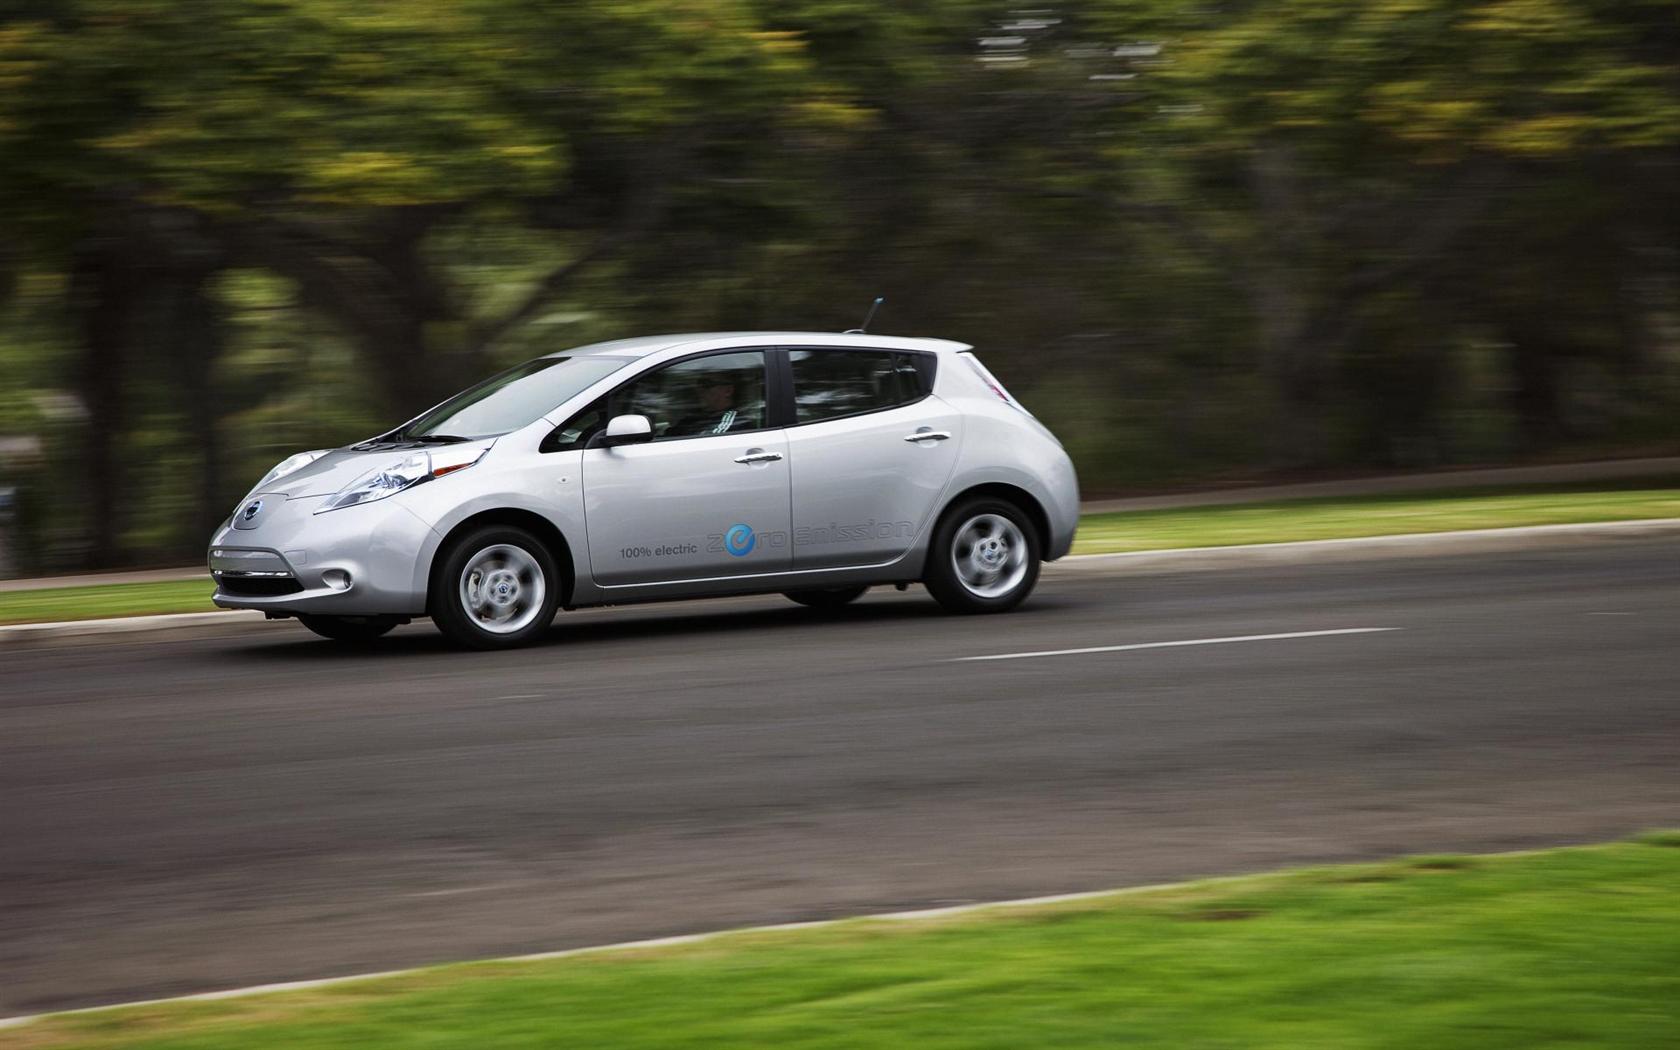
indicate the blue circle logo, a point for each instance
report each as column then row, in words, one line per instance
column 739, row 540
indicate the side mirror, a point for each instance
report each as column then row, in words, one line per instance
column 626, row 430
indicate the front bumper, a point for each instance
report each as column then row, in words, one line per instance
column 359, row 561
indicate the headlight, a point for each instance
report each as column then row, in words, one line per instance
column 401, row 474
column 288, row 465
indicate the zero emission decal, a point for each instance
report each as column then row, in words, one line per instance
column 739, row 540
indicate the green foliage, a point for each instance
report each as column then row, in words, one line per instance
column 370, row 103
column 1434, row 78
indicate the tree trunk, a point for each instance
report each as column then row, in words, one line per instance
column 106, row 294
column 414, row 338
column 382, row 289
column 1288, row 362
column 198, row 334
column 1292, row 359
column 1536, row 398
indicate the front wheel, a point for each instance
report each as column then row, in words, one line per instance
column 984, row 557
column 349, row 628
column 830, row 598
column 495, row 588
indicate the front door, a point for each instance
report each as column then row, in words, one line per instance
column 871, row 451
column 708, row 497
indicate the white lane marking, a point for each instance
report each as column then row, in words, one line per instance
column 457, row 891
column 1171, row 645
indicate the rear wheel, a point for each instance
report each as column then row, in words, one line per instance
column 829, row 598
column 495, row 588
column 984, row 557
column 349, row 628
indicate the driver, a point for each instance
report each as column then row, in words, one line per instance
column 719, row 410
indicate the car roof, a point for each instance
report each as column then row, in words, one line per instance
column 642, row 346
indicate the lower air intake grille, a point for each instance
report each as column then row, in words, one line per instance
column 257, row 586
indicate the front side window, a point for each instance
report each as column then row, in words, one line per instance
column 512, row 399
column 699, row 397
column 828, row 384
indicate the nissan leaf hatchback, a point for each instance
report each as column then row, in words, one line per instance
column 678, row 466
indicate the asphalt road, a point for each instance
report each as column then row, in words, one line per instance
column 190, row 815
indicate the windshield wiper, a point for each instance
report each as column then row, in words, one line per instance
column 397, row 439
column 436, row 439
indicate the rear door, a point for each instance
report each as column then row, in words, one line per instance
column 708, row 497
column 871, row 452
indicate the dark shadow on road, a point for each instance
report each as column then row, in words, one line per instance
column 622, row 624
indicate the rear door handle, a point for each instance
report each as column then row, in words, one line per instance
column 758, row 455
column 928, row 434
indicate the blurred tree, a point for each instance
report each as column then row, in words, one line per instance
column 643, row 101
column 1405, row 231
column 138, row 135
column 1328, row 155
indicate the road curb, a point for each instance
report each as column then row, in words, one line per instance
column 916, row 915
column 32, row 632
column 1184, row 559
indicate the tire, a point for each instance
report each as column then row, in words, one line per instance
column 349, row 628
column 495, row 588
column 830, row 598
column 966, row 580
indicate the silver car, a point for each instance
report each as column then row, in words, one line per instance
column 681, row 466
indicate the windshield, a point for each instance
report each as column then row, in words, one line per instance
column 512, row 399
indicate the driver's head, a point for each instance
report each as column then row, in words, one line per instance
column 717, row 393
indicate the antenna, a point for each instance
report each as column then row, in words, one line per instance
column 868, row 317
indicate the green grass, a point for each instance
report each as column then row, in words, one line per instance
column 111, row 599
column 1317, row 519
column 1347, row 517
column 1564, row 948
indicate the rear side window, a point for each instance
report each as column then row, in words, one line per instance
column 828, row 384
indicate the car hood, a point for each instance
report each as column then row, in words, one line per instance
column 340, row 467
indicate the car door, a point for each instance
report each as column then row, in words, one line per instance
column 708, row 496
column 871, row 451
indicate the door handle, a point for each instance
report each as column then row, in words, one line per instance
column 758, row 455
column 928, row 434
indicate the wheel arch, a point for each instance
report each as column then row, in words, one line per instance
column 1020, row 497
column 515, row 517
